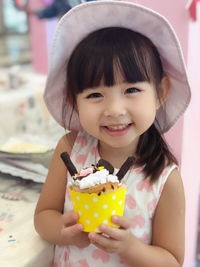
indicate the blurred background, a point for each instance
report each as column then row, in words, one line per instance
column 28, row 134
column 23, row 68
column 14, row 32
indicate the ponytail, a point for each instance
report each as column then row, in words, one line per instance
column 153, row 153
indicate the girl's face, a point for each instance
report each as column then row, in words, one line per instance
column 119, row 114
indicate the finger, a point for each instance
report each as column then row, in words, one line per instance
column 112, row 232
column 69, row 218
column 96, row 238
column 102, row 242
column 122, row 221
column 72, row 231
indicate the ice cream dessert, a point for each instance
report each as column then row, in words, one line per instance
column 95, row 179
column 96, row 192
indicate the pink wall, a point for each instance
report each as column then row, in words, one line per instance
column 38, row 39
column 175, row 12
column 191, row 141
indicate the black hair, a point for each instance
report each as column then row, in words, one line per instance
column 95, row 60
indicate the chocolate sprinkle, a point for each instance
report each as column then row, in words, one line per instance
column 125, row 167
column 68, row 163
column 106, row 165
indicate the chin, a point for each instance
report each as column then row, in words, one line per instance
column 121, row 144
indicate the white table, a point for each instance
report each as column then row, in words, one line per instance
column 20, row 245
column 22, row 110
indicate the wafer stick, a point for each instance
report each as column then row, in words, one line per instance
column 125, row 167
column 106, row 164
column 68, row 163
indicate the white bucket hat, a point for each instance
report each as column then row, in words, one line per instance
column 86, row 18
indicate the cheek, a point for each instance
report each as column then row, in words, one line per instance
column 145, row 112
column 145, row 117
column 82, row 116
column 87, row 116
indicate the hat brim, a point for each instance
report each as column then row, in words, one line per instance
column 85, row 18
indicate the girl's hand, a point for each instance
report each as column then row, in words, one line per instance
column 73, row 231
column 117, row 240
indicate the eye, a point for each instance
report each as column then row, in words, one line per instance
column 132, row 90
column 94, row 95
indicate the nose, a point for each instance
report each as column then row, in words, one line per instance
column 115, row 108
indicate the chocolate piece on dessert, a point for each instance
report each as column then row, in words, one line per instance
column 106, row 165
column 68, row 163
column 125, row 167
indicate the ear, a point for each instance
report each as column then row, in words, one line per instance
column 165, row 88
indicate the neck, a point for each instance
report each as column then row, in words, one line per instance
column 116, row 156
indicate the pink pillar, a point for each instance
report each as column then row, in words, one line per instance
column 191, row 142
column 38, row 40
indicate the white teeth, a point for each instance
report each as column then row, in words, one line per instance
column 120, row 127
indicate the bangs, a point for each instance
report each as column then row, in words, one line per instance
column 110, row 51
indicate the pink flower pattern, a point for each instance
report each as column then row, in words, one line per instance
column 93, row 150
column 81, row 139
column 80, row 159
column 138, row 221
column 152, row 204
column 99, row 254
column 83, row 263
column 144, row 237
column 130, row 201
column 144, row 185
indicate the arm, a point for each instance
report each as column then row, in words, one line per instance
column 49, row 220
column 167, row 247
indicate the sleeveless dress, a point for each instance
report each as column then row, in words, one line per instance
column 140, row 204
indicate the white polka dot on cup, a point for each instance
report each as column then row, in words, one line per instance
column 86, row 207
column 88, row 221
column 95, row 199
column 79, row 212
column 105, row 206
column 114, row 197
column 105, row 221
column 120, row 202
column 113, row 212
column 77, row 197
column 96, row 214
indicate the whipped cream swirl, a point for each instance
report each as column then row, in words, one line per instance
column 99, row 177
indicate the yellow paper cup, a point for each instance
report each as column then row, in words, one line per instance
column 95, row 210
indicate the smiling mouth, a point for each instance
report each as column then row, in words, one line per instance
column 117, row 127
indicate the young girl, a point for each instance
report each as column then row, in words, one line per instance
column 117, row 81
